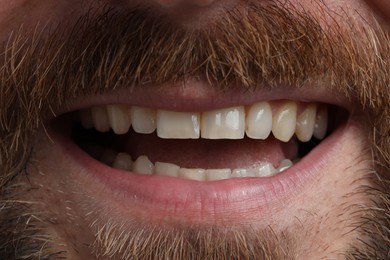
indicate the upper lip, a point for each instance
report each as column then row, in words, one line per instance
column 194, row 95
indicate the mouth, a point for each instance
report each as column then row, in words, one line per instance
column 185, row 163
column 202, row 146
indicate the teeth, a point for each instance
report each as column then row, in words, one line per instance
column 119, row 118
column 224, row 123
column 305, row 123
column 284, row 121
column 143, row 119
column 218, row 174
column 166, row 169
column 100, row 119
column 237, row 173
column 143, row 165
column 259, row 121
column 192, row 174
column 122, row 161
column 266, row 170
column 321, row 124
column 284, row 165
column 231, row 123
column 177, row 125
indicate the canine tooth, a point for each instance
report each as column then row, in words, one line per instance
column 259, row 121
column 237, row 173
column 223, row 123
column 321, row 124
column 166, row 169
column 284, row 121
column 86, row 118
column 143, row 165
column 305, row 123
column 218, row 174
column 123, row 161
column 100, row 119
column 119, row 118
column 177, row 125
column 284, row 165
column 143, row 120
column 192, row 174
column 265, row 170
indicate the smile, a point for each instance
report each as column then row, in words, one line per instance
column 275, row 122
column 199, row 159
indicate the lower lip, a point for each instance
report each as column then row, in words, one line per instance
column 168, row 197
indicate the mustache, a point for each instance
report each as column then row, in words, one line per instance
column 266, row 45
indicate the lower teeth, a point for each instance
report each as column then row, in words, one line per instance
column 144, row 166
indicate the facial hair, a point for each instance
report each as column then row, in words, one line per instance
column 265, row 47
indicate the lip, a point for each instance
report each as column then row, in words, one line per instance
column 168, row 198
column 199, row 95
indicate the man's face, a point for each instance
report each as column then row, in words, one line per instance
column 194, row 129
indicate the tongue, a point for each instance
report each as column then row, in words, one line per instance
column 208, row 154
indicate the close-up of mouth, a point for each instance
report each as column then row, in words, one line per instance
column 218, row 158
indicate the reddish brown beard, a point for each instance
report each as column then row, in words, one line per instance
column 103, row 53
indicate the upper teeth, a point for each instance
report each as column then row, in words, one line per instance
column 284, row 119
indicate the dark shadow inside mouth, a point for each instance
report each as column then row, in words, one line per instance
column 191, row 153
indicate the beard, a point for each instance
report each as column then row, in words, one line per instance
column 264, row 47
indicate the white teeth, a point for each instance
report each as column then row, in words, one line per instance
column 192, row 174
column 218, row 174
column 230, row 123
column 143, row 120
column 305, row 123
column 265, row 170
column 100, row 119
column 223, row 123
column 166, row 169
column 321, row 124
column 177, row 125
column 119, row 118
column 259, row 121
column 143, row 165
column 122, row 161
column 86, row 118
column 284, row 121
column 284, row 165
column 238, row 173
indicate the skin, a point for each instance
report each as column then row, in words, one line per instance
column 340, row 213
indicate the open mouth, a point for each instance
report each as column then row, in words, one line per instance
column 260, row 140
column 194, row 164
